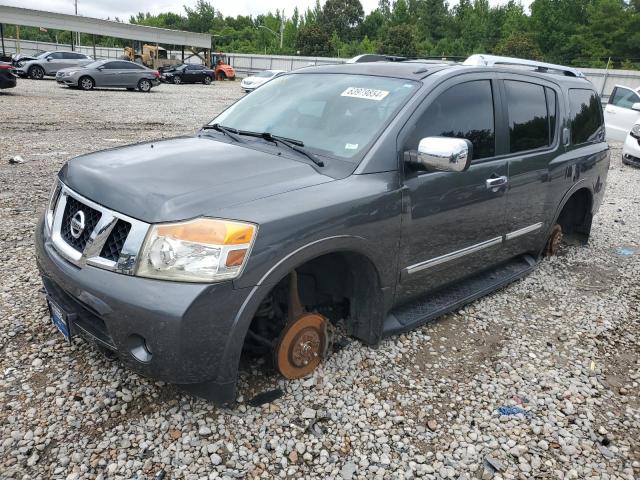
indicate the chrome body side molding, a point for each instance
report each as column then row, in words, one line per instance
column 471, row 249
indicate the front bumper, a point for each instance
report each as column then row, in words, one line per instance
column 188, row 328
column 631, row 151
column 71, row 80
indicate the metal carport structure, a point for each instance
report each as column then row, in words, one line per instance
column 107, row 28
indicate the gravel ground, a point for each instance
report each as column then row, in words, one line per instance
column 562, row 345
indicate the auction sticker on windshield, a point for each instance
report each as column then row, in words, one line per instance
column 365, row 93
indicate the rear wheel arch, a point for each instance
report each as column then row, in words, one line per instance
column 575, row 214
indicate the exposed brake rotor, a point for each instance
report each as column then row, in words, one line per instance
column 555, row 239
column 303, row 344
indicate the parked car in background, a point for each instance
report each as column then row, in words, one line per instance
column 49, row 63
column 249, row 84
column 189, row 73
column 7, row 78
column 16, row 58
column 622, row 112
column 631, row 149
column 110, row 73
column 378, row 195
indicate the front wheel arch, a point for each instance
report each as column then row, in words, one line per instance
column 86, row 77
column 367, row 310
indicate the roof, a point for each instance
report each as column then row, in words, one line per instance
column 418, row 70
column 409, row 71
column 61, row 21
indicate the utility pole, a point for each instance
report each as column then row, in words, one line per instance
column 76, row 34
column 281, row 30
column 2, row 37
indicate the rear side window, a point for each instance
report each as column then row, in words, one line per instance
column 586, row 116
column 463, row 111
column 528, row 116
column 56, row 56
column 130, row 66
column 73, row 56
column 623, row 97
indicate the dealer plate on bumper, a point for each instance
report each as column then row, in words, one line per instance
column 60, row 319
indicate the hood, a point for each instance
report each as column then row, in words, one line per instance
column 71, row 69
column 254, row 80
column 182, row 178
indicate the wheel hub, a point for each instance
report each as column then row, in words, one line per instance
column 555, row 239
column 302, row 346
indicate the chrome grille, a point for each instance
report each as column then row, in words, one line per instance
column 109, row 240
column 115, row 241
column 91, row 219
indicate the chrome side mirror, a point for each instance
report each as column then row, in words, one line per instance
column 442, row 153
column 636, row 107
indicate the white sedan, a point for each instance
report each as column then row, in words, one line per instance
column 622, row 112
column 631, row 149
column 249, row 84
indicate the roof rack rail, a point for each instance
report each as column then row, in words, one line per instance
column 492, row 60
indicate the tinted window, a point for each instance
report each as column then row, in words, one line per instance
column 624, row 98
column 195, row 67
column 130, row 66
column 56, row 55
column 111, row 65
column 73, row 56
column 552, row 109
column 528, row 120
column 586, row 116
column 463, row 111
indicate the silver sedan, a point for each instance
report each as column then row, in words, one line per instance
column 110, row 73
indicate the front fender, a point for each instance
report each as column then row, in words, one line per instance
column 380, row 303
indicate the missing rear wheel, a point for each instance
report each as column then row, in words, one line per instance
column 554, row 241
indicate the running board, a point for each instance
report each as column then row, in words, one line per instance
column 410, row 316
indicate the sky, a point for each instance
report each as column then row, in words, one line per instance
column 123, row 9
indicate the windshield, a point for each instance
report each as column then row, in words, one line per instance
column 335, row 115
column 41, row 53
column 95, row 64
column 265, row 74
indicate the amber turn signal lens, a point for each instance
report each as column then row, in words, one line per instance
column 236, row 257
column 209, row 231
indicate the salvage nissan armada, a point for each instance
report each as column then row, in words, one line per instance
column 380, row 194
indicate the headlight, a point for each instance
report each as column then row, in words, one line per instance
column 201, row 250
column 635, row 131
column 53, row 200
column 68, row 74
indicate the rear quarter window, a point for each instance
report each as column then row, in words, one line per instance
column 587, row 122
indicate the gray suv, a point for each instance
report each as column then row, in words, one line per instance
column 374, row 196
column 48, row 64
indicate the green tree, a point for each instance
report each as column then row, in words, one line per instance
column 343, row 17
column 521, row 45
column 400, row 40
column 313, row 40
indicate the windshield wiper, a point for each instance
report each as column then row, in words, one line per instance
column 293, row 144
column 231, row 133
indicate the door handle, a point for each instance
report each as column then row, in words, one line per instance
column 494, row 183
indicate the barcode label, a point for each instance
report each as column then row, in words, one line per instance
column 365, row 93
